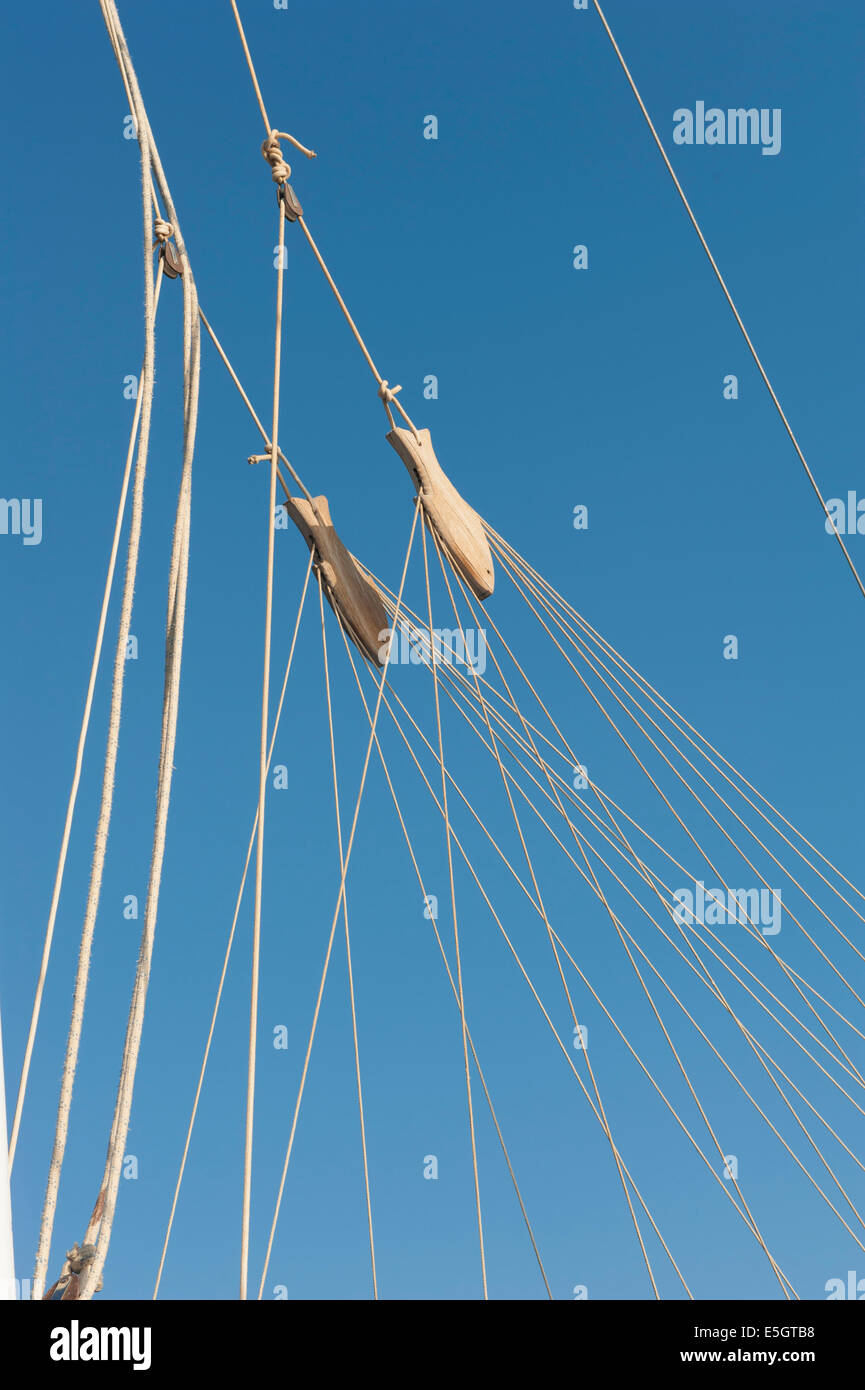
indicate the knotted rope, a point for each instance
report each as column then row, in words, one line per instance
column 272, row 152
column 388, row 394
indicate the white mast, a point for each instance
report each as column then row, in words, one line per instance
column 7, row 1258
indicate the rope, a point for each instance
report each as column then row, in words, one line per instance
column 281, row 171
column 262, row 779
column 762, row 370
column 231, row 933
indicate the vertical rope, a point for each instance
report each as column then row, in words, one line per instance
column 262, row 780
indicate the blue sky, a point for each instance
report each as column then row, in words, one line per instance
column 557, row 387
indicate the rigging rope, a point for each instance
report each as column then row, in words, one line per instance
column 721, row 281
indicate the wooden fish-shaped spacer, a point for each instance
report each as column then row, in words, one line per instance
column 355, row 600
column 456, row 524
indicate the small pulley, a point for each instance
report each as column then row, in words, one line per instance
column 290, row 202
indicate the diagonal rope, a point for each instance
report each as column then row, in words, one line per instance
column 721, row 281
column 388, row 395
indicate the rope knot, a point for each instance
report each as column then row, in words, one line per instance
column 272, row 152
column 162, row 230
column 387, row 393
column 79, row 1256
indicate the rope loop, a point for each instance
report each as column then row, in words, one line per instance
column 162, row 230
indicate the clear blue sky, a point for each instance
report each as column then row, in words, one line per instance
column 557, row 387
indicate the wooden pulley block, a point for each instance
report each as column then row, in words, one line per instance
column 172, row 266
column 355, row 600
column 457, row 526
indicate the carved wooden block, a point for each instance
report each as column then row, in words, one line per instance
column 457, row 526
column 348, row 591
